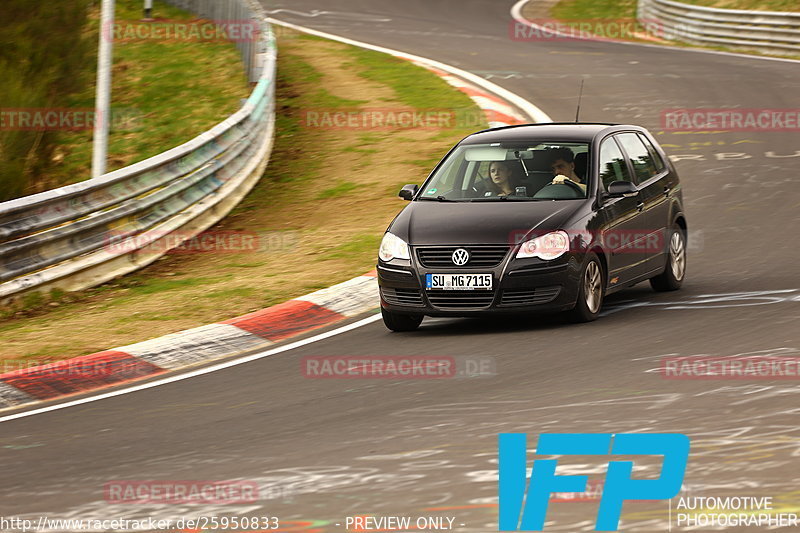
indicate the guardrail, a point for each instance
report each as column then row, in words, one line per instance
column 771, row 32
column 87, row 233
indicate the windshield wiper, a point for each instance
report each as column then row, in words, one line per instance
column 439, row 198
column 490, row 199
column 506, row 199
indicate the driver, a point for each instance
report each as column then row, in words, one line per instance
column 562, row 164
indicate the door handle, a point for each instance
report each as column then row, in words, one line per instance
column 640, row 206
column 667, row 190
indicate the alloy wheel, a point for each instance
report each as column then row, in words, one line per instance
column 677, row 255
column 592, row 287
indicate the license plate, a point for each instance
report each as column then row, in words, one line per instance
column 459, row 282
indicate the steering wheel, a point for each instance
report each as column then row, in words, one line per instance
column 551, row 188
column 571, row 184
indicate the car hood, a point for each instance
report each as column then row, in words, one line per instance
column 431, row 222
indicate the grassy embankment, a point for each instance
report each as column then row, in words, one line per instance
column 164, row 91
column 320, row 210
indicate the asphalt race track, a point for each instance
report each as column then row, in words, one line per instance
column 332, row 448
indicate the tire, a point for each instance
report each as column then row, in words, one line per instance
column 591, row 290
column 675, row 269
column 401, row 322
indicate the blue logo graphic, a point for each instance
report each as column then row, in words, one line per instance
column 618, row 485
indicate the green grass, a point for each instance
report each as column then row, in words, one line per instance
column 285, row 169
column 363, row 245
column 32, row 299
column 340, row 189
column 412, row 86
column 147, row 316
column 236, row 292
column 594, row 9
column 256, row 264
column 46, row 353
column 169, row 92
column 370, row 138
column 163, row 285
column 359, row 150
column 44, row 54
column 300, row 69
column 424, row 163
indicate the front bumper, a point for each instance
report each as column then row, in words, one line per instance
column 518, row 286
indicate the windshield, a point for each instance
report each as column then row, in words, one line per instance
column 521, row 172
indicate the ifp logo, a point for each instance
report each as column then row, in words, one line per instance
column 530, row 515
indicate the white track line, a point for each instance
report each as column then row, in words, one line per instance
column 535, row 114
column 516, row 14
column 198, row 372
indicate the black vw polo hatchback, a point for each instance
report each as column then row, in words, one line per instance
column 534, row 218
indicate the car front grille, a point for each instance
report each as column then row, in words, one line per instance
column 460, row 299
column 537, row 296
column 479, row 256
column 402, row 296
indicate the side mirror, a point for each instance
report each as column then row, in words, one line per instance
column 408, row 191
column 622, row 189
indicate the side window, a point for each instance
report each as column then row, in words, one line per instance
column 612, row 163
column 659, row 163
column 642, row 162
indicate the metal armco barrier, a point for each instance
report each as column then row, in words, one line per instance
column 87, row 233
column 771, row 32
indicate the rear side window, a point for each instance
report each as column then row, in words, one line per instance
column 653, row 153
column 642, row 161
column 612, row 163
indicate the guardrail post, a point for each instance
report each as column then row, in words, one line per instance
column 103, row 90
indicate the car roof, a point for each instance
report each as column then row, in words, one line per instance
column 563, row 131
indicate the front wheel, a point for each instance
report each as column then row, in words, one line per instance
column 401, row 322
column 591, row 290
column 675, row 270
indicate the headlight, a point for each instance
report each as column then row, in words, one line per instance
column 547, row 247
column 392, row 247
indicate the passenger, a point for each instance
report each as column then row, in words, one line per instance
column 562, row 164
column 503, row 180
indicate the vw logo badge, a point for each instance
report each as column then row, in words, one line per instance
column 460, row 257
